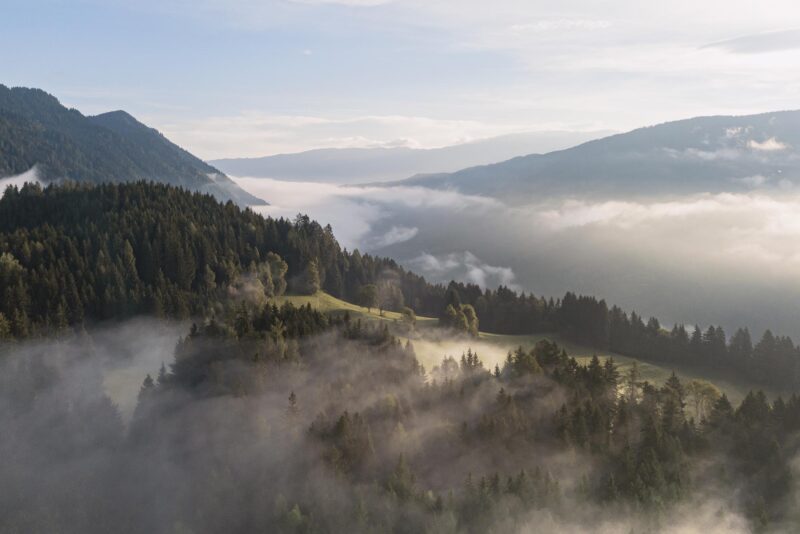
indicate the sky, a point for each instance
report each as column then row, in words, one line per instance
column 229, row 78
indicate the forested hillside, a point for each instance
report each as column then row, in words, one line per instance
column 770, row 360
column 75, row 254
column 36, row 130
column 283, row 420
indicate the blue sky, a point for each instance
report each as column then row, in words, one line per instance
column 255, row 77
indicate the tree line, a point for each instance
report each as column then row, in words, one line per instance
column 771, row 360
column 75, row 253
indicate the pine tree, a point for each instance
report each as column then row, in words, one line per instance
column 5, row 328
column 401, row 481
column 311, row 278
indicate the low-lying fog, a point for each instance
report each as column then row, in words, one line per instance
column 114, row 357
column 133, row 350
column 725, row 259
column 229, row 461
column 431, row 350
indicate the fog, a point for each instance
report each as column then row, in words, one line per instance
column 131, row 351
column 726, row 259
column 31, row 175
column 192, row 462
column 112, row 359
column 431, row 348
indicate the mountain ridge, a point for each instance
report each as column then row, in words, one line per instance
column 376, row 164
column 716, row 153
column 36, row 130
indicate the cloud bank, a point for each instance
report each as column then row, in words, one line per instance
column 725, row 258
column 761, row 43
column 464, row 266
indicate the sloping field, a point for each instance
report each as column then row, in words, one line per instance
column 432, row 346
column 330, row 304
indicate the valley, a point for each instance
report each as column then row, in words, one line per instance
column 448, row 383
column 399, row 267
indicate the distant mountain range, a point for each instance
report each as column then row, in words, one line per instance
column 358, row 165
column 705, row 154
column 36, row 130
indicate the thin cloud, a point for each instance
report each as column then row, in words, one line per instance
column 560, row 25
column 760, row 43
column 754, row 181
column 464, row 266
column 349, row 3
column 770, row 145
column 574, row 65
column 395, row 235
column 261, row 134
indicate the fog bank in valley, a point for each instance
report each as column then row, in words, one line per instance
column 723, row 258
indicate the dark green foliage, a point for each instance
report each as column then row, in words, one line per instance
column 503, row 311
column 310, row 284
column 368, row 296
column 461, row 318
column 773, row 361
column 72, row 253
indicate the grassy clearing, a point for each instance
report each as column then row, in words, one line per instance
column 492, row 348
column 329, row 304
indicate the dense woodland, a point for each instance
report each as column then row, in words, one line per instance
column 284, row 420
column 74, row 253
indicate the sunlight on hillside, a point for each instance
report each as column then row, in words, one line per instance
column 431, row 346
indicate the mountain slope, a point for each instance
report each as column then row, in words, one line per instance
column 493, row 348
column 36, row 130
column 705, row 154
column 115, row 250
column 355, row 165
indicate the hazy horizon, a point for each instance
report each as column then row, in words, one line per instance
column 246, row 78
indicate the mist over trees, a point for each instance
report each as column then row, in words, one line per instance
column 281, row 418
